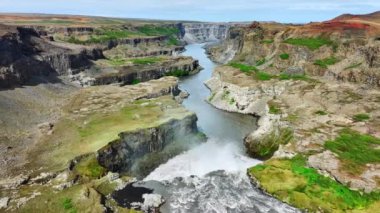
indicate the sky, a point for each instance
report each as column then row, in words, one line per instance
column 295, row 11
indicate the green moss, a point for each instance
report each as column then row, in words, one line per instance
column 89, row 167
column 68, row 205
column 284, row 56
column 263, row 76
column 324, row 63
column 267, row 41
column 260, row 62
column 178, row 73
column 265, row 148
column 274, row 108
column 311, row 43
column 320, row 112
column 232, row 101
column 135, row 81
column 353, row 66
column 243, row 67
column 284, row 76
column 355, row 150
column 361, row 117
column 225, row 95
column 291, row 181
column 212, row 96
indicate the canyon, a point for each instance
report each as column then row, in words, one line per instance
column 111, row 115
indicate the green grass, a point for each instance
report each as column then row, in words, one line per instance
column 89, row 167
column 324, row 63
column 177, row 73
column 267, row 41
column 311, row 43
column 263, row 76
column 68, row 205
column 353, row 66
column 260, row 62
column 274, row 108
column 212, row 96
column 135, row 81
column 355, row 150
column 145, row 61
column 243, row 67
column 105, row 35
column 284, row 76
column 284, row 56
column 320, row 112
column 292, row 181
column 361, row 117
column 232, row 101
column 226, row 93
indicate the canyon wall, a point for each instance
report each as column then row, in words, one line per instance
column 204, row 32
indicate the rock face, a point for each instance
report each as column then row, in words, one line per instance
column 23, row 54
column 350, row 50
column 133, row 74
column 121, row 154
column 204, row 32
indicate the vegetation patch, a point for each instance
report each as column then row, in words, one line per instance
column 320, row 112
column 226, row 93
column 212, row 96
column 260, row 62
column 232, row 101
column 324, row 63
column 267, row 41
column 292, row 181
column 284, row 56
column 68, row 205
column 361, row 117
column 243, row 67
column 135, row 81
column 311, row 43
column 170, row 31
column 355, row 150
column 177, row 73
column 274, row 107
column 90, row 168
column 284, row 76
column 353, row 66
column 265, row 147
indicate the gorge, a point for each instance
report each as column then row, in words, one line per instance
column 118, row 115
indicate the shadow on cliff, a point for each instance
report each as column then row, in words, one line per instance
column 51, row 78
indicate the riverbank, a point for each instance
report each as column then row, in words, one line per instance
column 319, row 133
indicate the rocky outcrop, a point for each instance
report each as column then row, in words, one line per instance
column 23, row 54
column 133, row 74
column 204, row 32
column 226, row 49
column 120, row 155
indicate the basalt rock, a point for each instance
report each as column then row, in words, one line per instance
column 24, row 54
column 121, row 154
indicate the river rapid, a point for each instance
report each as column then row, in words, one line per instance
column 211, row 177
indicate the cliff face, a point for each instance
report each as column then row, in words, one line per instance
column 340, row 50
column 23, row 54
column 204, row 32
column 122, row 154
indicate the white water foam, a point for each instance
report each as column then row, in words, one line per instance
column 211, row 156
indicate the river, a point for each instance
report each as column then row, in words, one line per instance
column 211, row 177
